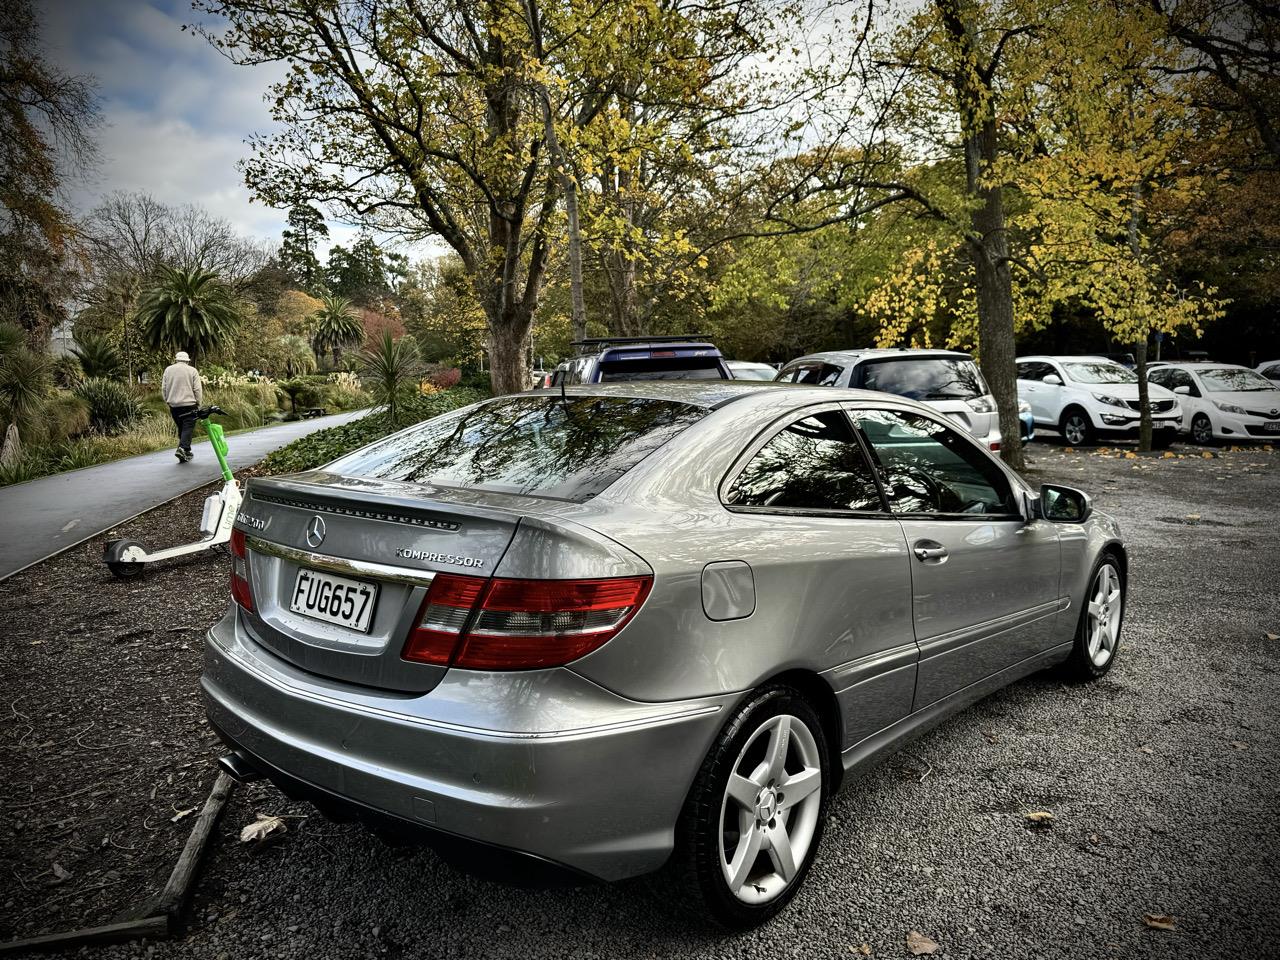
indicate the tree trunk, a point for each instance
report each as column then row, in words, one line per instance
column 990, row 249
column 1140, row 347
column 508, row 351
column 577, row 307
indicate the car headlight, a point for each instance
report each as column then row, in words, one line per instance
column 982, row 405
column 1024, row 407
column 1229, row 408
column 1109, row 400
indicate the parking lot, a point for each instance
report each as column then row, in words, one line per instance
column 1161, row 780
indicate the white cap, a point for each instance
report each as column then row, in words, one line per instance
column 181, row 357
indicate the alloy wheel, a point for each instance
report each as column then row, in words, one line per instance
column 1075, row 429
column 1201, row 430
column 770, row 809
column 1105, row 607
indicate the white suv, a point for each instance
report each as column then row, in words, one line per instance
column 945, row 379
column 1089, row 398
column 1222, row 401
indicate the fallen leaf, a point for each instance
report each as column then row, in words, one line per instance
column 1239, row 745
column 862, row 948
column 265, row 828
column 1038, row 818
column 920, row 945
column 1159, row 921
column 1168, row 455
column 1130, row 455
column 1069, row 450
column 61, row 872
column 991, row 736
column 1272, row 636
column 1193, row 516
column 182, row 813
column 1145, row 749
column 1207, row 455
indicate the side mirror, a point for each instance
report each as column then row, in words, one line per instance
column 1053, row 378
column 1184, row 390
column 1063, row 504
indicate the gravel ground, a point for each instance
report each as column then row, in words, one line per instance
column 1162, row 780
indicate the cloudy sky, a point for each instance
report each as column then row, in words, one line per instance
column 176, row 113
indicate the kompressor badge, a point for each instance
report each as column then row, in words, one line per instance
column 409, row 553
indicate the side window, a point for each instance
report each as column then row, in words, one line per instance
column 813, row 464
column 929, row 468
column 1033, row 370
column 787, row 374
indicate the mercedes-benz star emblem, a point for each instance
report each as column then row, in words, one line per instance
column 315, row 531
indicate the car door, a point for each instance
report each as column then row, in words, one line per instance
column 829, row 565
column 1032, row 388
column 985, row 577
column 1191, row 402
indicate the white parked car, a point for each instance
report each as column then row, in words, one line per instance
column 1270, row 369
column 747, row 370
column 1222, row 401
column 1088, row 399
column 947, row 380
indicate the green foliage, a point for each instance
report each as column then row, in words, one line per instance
column 390, row 371
column 323, row 446
column 65, row 415
column 298, row 245
column 358, row 274
column 99, row 358
column 112, row 407
column 295, row 355
column 67, row 371
column 189, row 310
column 24, row 385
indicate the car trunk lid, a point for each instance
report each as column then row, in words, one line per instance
column 371, row 540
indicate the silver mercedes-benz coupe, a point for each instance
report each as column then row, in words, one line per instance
column 605, row 628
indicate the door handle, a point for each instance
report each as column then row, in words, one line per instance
column 929, row 551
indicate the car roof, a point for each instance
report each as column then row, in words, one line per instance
column 876, row 353
column 713, row 394
column 1066, row 356
column 1200, row 363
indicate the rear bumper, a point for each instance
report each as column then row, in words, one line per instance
column 543, row 763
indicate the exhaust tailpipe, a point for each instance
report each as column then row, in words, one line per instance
column 238, row 768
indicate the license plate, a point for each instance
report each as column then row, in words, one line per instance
column 1272, row 427
column 322, row 596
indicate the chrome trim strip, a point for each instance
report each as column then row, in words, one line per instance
column 945, row 642
column 341, row 565
column 662, row 719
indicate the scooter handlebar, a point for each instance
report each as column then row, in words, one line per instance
column 204, row 413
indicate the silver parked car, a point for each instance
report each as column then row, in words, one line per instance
column 597, row 629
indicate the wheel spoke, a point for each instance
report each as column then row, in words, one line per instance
column 1095, row 609
column 776, row 755
column 744, row 857
column 1113, row 598
column 1104, row 634
column 743, row 790
column 800, row 785
column 780, row 852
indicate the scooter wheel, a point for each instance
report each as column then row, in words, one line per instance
column 122, row 569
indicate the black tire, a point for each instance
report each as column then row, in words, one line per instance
column 1081, row 666
column 1201, row 430
column 699, row 832
column 1076, row 421
column 122, row 569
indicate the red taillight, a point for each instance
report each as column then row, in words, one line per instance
column 521, row 624
column 240, row 589
column 443, row 615
column 995, row 446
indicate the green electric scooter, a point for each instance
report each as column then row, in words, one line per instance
column 127, row 559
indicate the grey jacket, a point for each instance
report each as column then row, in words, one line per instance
column 180, row 386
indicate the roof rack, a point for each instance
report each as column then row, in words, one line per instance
column 598, row 341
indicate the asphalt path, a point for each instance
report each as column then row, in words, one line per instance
column 45, row 516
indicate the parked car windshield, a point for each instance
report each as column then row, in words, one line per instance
column 924, row 378
column 569, row 448
column 1099, row 371
column 1233, row 379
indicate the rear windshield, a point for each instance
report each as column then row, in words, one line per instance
column 925, row 378
column 664, row 368
column 568, row 448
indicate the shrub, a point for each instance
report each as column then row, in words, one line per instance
column 24, row 385
column 391, row 369
column 111, row 406
column 28, row 468
column 99, row 358
column 323, row 446
column 444, row 377
column 67, row 372
column 65, row 415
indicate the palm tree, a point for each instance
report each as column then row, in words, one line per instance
column 389, row 369
column 188, row 310
column 99, row 357
column 334, row 326
column 296, row 355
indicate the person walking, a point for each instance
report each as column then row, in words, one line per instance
column 181, row 389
